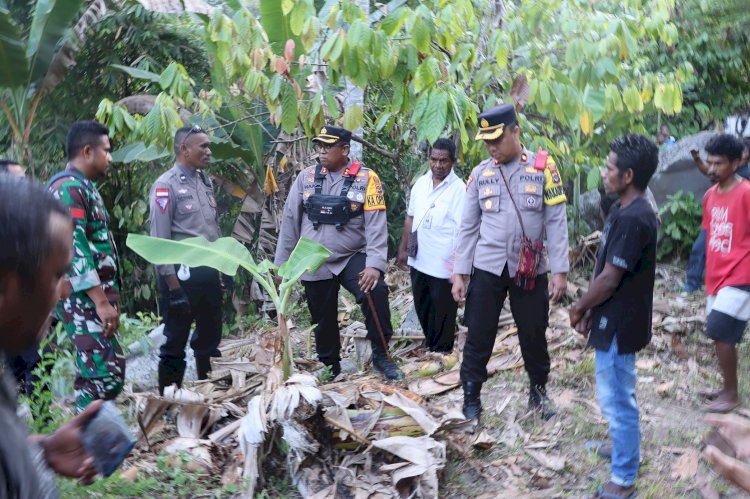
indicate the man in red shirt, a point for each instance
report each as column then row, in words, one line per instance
column 725, row 209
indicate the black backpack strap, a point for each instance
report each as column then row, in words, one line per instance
column 319, row 177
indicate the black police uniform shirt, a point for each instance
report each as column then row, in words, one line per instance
column 628, row 242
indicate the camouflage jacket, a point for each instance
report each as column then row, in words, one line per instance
column 94, row 257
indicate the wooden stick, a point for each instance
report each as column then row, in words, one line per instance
column 353, row 433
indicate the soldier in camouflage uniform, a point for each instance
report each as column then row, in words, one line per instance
column 90, row 314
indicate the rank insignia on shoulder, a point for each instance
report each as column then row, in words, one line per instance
column 530, row 169
column 488, row 173
column 541, row 159
column 183, row 178
column 524, row 158
column 469, row 181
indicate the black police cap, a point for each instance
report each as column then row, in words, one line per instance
column 333, row 134
column 492, row 122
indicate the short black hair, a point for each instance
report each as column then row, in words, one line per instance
column 444, row 144
column 82, row 134
column 5, row 163
column 746, row 142
column 725, row 144
column 25, row 209
column 637, row 153
column 182, row 134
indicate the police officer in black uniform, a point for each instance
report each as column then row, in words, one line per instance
column 183, row 205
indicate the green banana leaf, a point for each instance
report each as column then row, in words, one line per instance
column 52, row 18
column 14, row 66
column 226, row 254
column 307, row 256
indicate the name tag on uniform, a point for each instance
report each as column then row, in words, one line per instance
column 162, row 199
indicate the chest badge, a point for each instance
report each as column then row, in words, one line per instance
column 488, row 173
column 181, row 191
column 488, row 204
column 487, row 191
column 530, row 201
column 350, row 195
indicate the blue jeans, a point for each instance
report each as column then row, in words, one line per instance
column 615, row 385
column 696, row 263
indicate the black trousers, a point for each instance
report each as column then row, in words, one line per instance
column 322, row 301
column 484, row 302
column 204, row 293
column 436, row 310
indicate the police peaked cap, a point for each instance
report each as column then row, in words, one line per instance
column 333, row 134
column 493, row 121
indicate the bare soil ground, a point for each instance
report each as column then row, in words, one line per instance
column 533, row 458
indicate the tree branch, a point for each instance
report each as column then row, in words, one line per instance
column 375, row 148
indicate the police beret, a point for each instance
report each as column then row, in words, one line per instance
column 333, row 134
column 492, row 122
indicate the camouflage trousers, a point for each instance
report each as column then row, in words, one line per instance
column 100, row 363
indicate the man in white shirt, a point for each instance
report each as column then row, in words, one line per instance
column 433, row 217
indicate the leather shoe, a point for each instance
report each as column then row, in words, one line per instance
column 540, row 402
column 472, row 404
column 386, row 367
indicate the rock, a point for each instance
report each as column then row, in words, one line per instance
column 677, row 170
column 142, row 361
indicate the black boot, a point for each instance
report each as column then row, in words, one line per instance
column 539, row 401
column 168, row 376
column 202, row 367
column 387, row 368
column 335, row 368
column 472, row 403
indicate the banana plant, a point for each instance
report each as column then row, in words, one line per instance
column 227, row 255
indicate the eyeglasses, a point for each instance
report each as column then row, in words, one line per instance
column 327, row 147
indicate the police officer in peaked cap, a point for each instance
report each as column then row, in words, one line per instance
column 339, row 203
column 513, row 199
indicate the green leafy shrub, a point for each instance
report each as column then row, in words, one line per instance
column 681, row 222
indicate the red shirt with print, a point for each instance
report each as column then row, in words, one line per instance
column 726, row 220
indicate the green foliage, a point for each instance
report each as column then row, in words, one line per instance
column 54, row 374
column 172, row 477
column 136, row 329
column 226, row 254
column 681, row 216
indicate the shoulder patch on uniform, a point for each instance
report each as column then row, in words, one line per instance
column 162, row 198
column 77, row 213
column 374, row 199
column 554, row 193
column 469, row 181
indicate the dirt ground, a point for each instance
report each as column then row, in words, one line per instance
column 535, row 459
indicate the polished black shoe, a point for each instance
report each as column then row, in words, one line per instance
column 169, row 376
column 540, row 402
column 387, row 368
column 472, row 403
